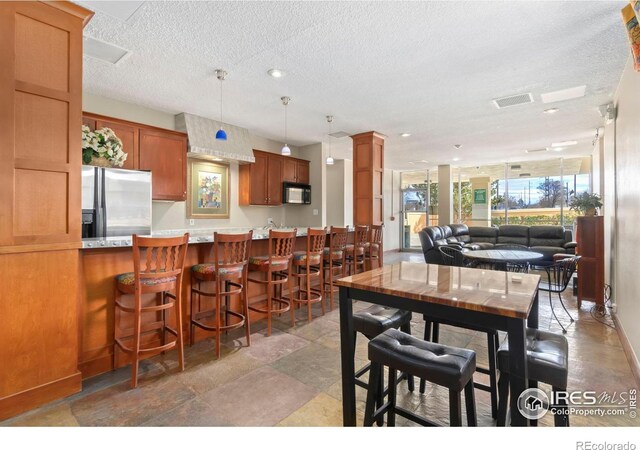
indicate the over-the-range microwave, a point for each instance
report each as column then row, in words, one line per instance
column 295, row 193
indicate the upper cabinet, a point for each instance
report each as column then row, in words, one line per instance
column 163, row 152
column 295, row 170
column 260, row 183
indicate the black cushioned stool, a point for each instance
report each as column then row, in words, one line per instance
column 373, row 321
column 446, row 366
column 547, row 362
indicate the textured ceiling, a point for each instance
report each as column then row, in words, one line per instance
column 428, row 68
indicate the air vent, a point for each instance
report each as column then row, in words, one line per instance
column 536, row 150
column 525, row 174
column 513, row 100
column 516, row 167
column 339, row 134
column 104, row 51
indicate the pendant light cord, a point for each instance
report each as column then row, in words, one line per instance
column 220, row 102
column 285, row 124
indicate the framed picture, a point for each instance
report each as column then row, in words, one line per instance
column 208, row 193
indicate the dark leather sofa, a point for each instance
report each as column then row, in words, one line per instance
column 545, row 239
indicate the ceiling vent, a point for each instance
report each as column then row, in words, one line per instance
column 536, row 150
column 516, row 167
column 513, row 100
column 339, row 134
column 104, row 51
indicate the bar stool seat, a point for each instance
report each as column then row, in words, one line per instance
column 377, row 319
column 443, row 365
column 126, row 282
column 335, row 254
column 261, row 263
column 300, row 258
column 547, row 362
column 210, row 270
column 352, row 249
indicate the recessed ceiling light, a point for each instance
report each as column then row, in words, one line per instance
column 536, row 150
column 563, row 144
column 551, row 110
column 276, row 73
column 557, row 149
column 405, row 134
column 456, row 159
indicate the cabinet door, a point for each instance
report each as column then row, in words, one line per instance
column 258, row 180
column 302, row 171
column 129, row 137
column 165, row 155
column 274, row 180
column 289, row 170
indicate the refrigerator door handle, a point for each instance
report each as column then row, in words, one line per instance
column 101, row 218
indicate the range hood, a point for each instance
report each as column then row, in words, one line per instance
column 203, row 143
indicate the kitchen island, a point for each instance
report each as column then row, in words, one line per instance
column 101, row 263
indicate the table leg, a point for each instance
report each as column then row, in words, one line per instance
column 347, row 352
column 532, row 320
column 517, row 368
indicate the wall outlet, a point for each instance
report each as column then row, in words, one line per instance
column 269, row 219
column 315, row 212
column 192, row 222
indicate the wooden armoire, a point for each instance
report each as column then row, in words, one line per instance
column 590, row 238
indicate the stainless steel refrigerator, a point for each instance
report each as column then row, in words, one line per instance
column 115, row 202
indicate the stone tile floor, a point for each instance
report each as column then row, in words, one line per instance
column 292, row 378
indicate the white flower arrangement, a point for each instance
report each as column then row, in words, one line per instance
column 102, row 143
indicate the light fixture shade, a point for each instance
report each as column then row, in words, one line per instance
column 221, row 135
column 329, row 161
column 286, row 150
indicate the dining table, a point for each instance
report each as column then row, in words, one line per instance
column 503, row 301
column 500, row 258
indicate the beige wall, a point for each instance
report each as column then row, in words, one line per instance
column 173, row 215
column 627, row 205
column 340, row 193
column 391, row 236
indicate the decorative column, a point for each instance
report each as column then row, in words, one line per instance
column 445, row 195
column 481, row 206
column 368, row 175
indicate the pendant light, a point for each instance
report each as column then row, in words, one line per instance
column 330, row 158
column 285, row 150
column 221, row 135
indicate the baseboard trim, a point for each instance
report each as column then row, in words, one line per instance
column 32, row 398
column 628, row 349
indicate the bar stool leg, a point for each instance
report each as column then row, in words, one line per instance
column 321, row 277
column 218, row 313
column 380, row 391
column 374, row 385
column 470, row 403
column 427, row 337
column 503, row 399
column 178, row 315
column 455, row 408
column 245, row 301
column 560, row 420
column 291, row 302
column 492, row 374
column 393, row 380
column 269, row 294
column 406, row 328
column 136, row 340
column 308, row 278
column 192, row 327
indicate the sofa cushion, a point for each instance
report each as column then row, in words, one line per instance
column 446, row 231
column 546, row 236
column 483, row 234
column 513, row 234
column 460, row 232
column 484, row 245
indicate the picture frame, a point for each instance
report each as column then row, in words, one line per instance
column 208, row 193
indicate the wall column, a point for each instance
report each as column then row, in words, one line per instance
column 368, row 176
column 445, row 195
column 481, row 206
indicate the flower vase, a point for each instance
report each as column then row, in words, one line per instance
column 100, row 162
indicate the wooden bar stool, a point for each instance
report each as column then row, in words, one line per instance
column 308, row 266
column 354, row 253
column 373, row 248
column 334, row 261
column 229, row 272
column 163, row 261
column 277, row 267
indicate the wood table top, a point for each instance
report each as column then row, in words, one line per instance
column 498, row 255
column 502, row 293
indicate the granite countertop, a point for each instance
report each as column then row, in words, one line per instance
column 196, row 236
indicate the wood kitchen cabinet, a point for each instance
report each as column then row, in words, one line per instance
column 261, row 182
column 163, row 152
column 295, row 170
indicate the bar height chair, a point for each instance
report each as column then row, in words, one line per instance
column 307, row 266
column 559, row 276
column 158, row 266
column 354, row 253
column 373, row 248
column 334, row 261
column 229, row 273
column 277, row 268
